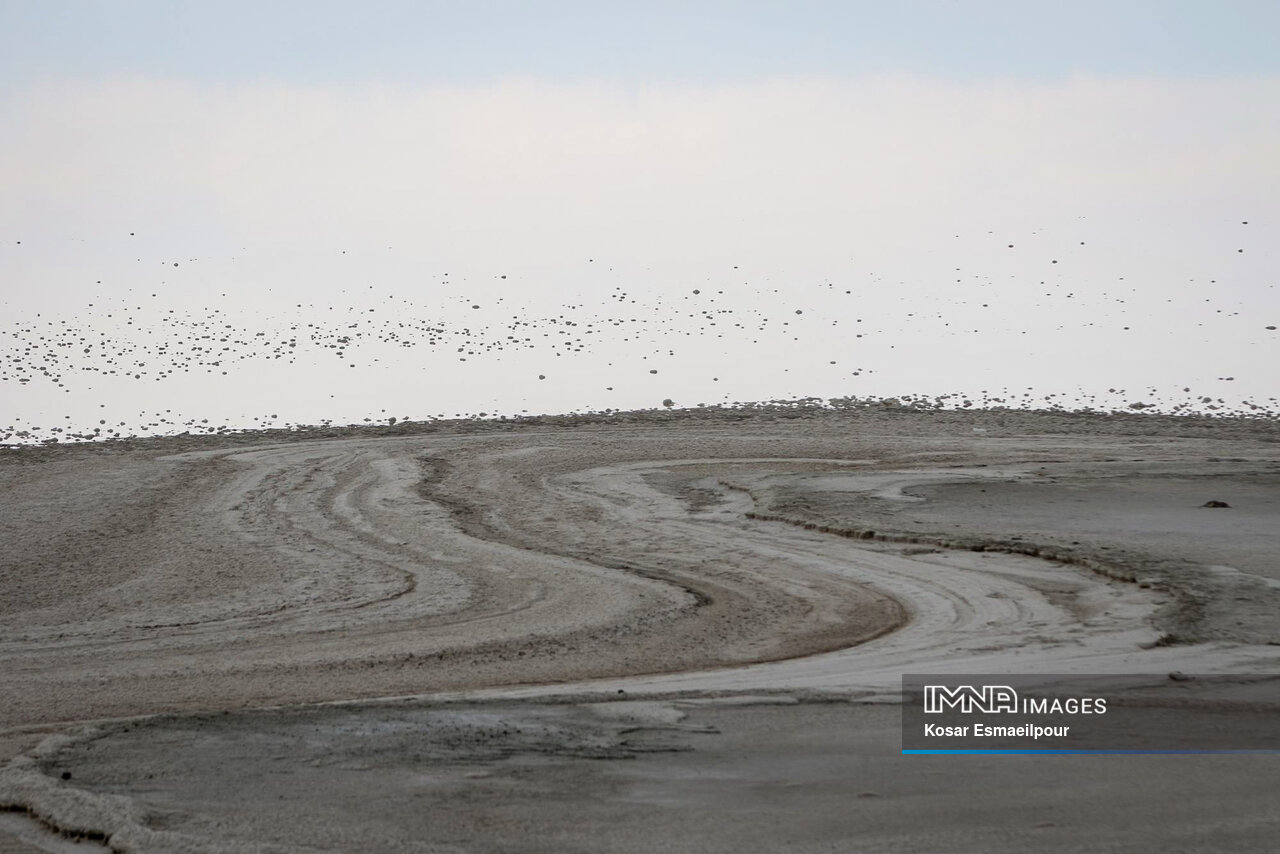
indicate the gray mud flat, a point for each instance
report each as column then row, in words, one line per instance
column 178, row 615
column 753, row 775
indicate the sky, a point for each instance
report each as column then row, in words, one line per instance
column 240, row 215
column 327, row 43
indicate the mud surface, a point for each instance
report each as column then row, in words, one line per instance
column 813, row 557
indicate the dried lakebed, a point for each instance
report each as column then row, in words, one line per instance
column 750, row 575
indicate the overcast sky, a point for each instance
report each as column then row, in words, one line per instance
column 322, row 42
column 1022, row 201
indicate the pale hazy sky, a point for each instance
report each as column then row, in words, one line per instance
column 324, row 42
column 424, row 207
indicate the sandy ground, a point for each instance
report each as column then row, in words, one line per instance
column 642, row 633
